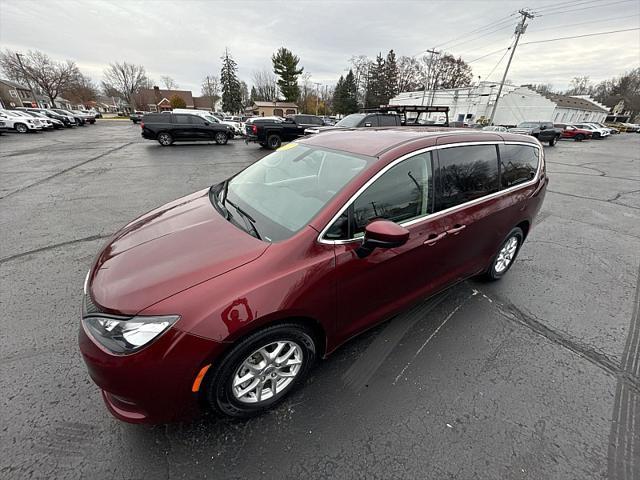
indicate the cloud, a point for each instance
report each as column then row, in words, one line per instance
column 185, row 39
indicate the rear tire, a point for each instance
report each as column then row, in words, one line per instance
column 274, row 141
column 165, row 139
column 223, row 390
column 506, row 255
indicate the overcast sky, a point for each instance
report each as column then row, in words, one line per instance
column 185, row 38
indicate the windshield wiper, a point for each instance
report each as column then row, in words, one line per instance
column 251, row 221
column 214, row 197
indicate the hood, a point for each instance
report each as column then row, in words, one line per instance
column 526, row 131
column 325, row 128
column 166, row 251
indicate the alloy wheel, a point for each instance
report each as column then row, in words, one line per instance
column 164, row 139
column 21, row 128
column 506, row 255
column 267, row 372
column 221, row 138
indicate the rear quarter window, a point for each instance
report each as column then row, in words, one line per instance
column 518, row 164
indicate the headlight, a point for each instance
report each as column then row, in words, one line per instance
column 123, row 336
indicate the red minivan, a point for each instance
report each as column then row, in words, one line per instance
column 225, row 298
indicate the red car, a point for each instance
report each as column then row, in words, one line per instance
column 578, row 134
column 225, row 298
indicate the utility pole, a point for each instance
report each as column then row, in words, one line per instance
column 520, row 29
column 26, row 77
column 317, row 95
column 424, row 90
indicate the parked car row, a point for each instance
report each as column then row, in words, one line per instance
column 24, row 120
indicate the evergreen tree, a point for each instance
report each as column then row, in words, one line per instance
column 285, row 66
column 350, row 93
column 390, row 77
column 231, row 93
column 339, row 96
column 376, row 83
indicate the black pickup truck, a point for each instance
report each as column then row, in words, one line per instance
column 543, row 131
column 270, row 132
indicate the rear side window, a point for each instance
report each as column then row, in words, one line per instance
column 370, row 121
column 466, row 173
column 197, row 120
column 399, row 195
column 518, row 163
column 182, row 119
column 388, row 120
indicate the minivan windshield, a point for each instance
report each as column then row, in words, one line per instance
column 278, row 195
column 351, row 120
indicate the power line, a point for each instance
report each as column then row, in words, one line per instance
column 473, row 39
column 500, row 21
column 593, row 6
column 495, row 23
column 488, row 54
column 576, row 3
column 585, row 23
column 581, row 36
column 499, row 61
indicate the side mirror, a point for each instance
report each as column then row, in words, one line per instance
column 382, row 234
column 543, row 127
column 206, row 123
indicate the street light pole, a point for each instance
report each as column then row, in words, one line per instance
column 26, row 77
column 520, row 29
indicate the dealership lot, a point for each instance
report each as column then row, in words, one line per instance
column 535, row 376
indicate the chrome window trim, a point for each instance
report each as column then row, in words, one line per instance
column 431, row 216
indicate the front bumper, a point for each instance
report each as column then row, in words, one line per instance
column 154, row 384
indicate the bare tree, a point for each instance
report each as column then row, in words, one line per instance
column 409, row 71
column 361, row 66
column 211, row 89
column 126, row 79
column 168, row 82
column 579, row 86
column 446, row 71
column 265, row 84
column 49, row 76
column 81, row 90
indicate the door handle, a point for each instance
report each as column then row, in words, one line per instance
column 456, row 229
column 433, row 238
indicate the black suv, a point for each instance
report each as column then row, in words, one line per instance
column 167, row 128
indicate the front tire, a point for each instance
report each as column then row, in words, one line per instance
column 21, row 128
column 165, row 139
column 221, row 138
column 506, row 255
column 260, row 371
column 553, row 141
column 579, row 137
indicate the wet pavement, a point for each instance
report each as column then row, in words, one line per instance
column 536, row 376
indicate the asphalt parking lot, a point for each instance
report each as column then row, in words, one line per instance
column 533, row 377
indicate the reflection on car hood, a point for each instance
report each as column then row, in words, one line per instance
column 166, row 251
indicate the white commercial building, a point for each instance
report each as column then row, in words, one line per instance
column 517, row 104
